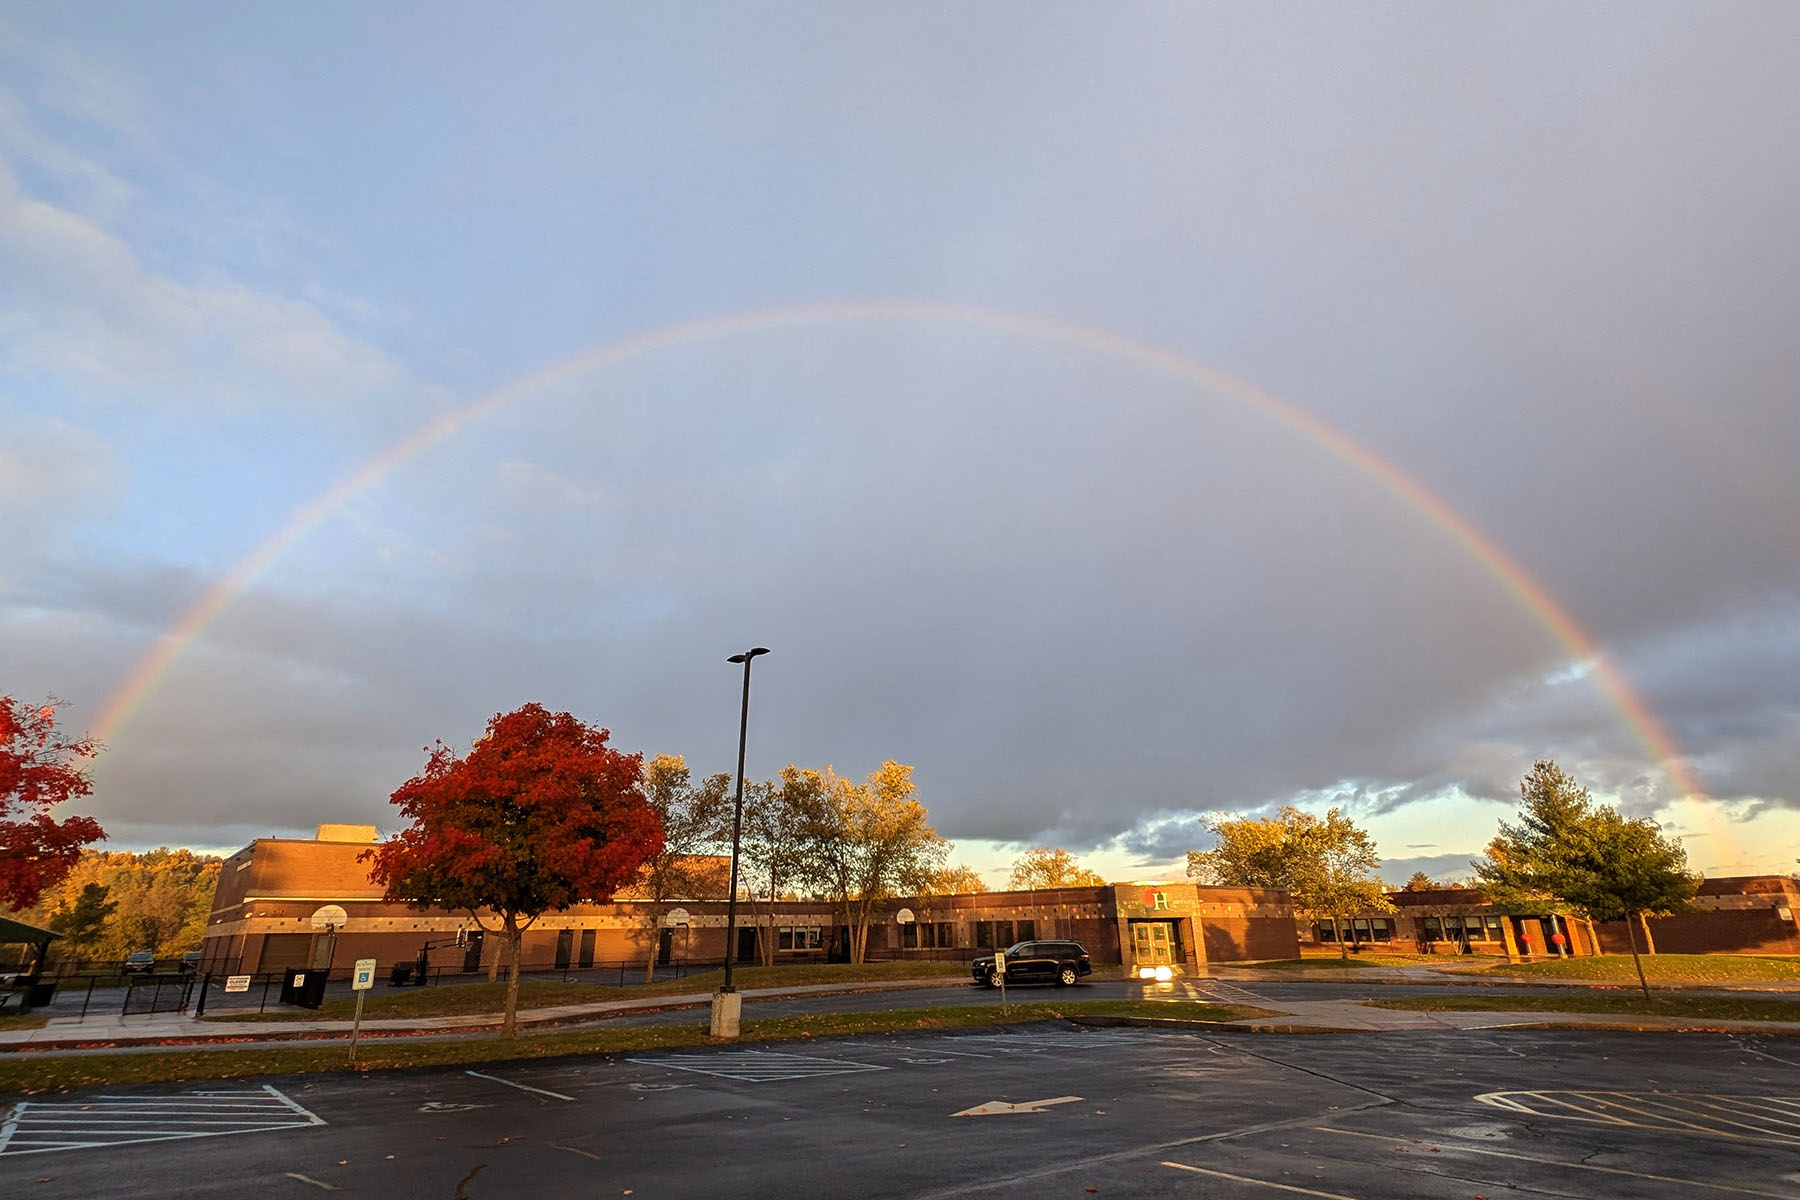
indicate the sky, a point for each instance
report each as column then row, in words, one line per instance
column 1120, row 413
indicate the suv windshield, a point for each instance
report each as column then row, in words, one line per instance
column 1021, row 949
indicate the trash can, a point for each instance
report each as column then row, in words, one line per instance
column 401, row 975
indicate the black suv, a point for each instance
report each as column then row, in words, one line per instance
column 1036, row 962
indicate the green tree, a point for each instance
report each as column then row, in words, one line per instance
column 694, row 819
column 1572, row 854
column 780, row 855
column 1051, row 867
column 1326, row 865
column 82, row 923
column 1249, row 852
column 1419, row 881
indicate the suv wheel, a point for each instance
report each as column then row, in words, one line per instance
column 993, row 980
column 1066, row 977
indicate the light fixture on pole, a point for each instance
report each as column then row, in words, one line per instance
column 727, row 1005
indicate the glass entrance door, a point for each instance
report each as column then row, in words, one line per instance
column 1153, row 944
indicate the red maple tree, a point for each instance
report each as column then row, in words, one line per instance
column 38, row 771
column 539, row 815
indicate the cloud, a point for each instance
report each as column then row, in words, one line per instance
column 1549, row 282
column 79, row 303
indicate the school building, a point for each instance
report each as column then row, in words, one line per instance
column 295, row 902
column 1741, row 914
column 290, row 902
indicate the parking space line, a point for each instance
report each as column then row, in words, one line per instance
column 523, row 1087
column 40, row 1127
column 757, row 1066
column 1732, row 1117
column 1722, row 1119
column 1459, row 1148
column 941, row 1050
column 1140, row 1151
column 1283, row 1187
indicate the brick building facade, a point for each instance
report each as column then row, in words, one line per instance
column 270, row 892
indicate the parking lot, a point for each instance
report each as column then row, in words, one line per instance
column 1044, row 1110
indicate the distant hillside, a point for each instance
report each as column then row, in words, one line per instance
column 161, row 901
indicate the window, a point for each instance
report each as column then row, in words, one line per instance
column 984, row 935
column 798, row 937
column 1027, row 930
column 1003, row 933
column 946, row 935
column 1327, row 930
column 909, row 937
column 1474, row 929
column 1382, row 928
column 1434, row 930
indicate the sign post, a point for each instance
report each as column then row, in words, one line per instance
column 1000, row 974
column 361, row 981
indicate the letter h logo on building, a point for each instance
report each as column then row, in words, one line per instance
column 1156, row 899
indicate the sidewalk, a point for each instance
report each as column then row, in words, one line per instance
column 180, row 1028
column 1350, row 1016
column 1461, row 975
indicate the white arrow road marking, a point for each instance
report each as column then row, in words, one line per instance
column 318, row 1183
column 996, row 1107
column 431, row 1106
column 523, row 1087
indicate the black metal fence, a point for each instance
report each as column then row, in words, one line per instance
column 106, row 987
column 157, row 994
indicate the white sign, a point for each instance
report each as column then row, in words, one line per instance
column 999, row 962
column 677, row 916
column 364, row 978
column 1786, row 914
column 237, row 983
column 904, row 916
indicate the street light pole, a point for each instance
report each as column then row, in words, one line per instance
column 727, row 1004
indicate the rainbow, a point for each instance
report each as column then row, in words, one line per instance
column 1531, row 595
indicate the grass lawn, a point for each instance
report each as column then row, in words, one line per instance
column 462, row 999
column 23, row 1021
column 1659, row 968
column 1718, row 1008
column 32, row 1073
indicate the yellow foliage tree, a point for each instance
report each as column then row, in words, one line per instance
column 1051, row 867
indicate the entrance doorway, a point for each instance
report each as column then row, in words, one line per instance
column 565, row 948
column 1153, row 943
column 665, row 947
